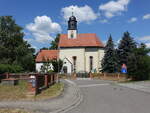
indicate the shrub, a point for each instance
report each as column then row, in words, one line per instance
column 10, row 68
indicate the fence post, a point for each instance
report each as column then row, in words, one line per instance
column 46, row 80
column 7, row 75
column 57, row 78
column 74, row 76
column 91, row 76
column 99, row 75
column 118, row 76
column 51, row 78
column 104, row 76
column 32, row 85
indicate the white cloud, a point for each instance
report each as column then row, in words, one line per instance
column 29, row 39
column 148, row 45
column 104, row 21
column 42, row 28
column 113, row 8
column 145, row 38
column 133, row 19
column 147, row 16
column 83, row 14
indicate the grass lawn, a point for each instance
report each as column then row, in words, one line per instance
column 12, row 111
column 19, row 92
column 51, row 92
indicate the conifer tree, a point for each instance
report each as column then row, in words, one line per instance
column 109, row 62
column 125, row 52
column 142, row 63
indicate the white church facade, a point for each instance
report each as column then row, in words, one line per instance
column 79, row 52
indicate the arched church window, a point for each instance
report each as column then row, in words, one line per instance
column 74, row 63
column 91, row 63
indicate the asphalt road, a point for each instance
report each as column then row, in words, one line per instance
column 106, row 97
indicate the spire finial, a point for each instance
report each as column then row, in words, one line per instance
column 72, row 11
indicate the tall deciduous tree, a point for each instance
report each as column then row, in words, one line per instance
column 109, row 62
column 13, row 49
column 54, row 44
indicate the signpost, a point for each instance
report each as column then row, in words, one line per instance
column 124, row 69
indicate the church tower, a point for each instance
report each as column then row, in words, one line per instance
column 72, row 27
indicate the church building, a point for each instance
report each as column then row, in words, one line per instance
column 79, row 52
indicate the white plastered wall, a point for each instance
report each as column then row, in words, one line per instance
column 101, row 55
column 68, row 64
column 83, row 54
column 94, row 53
column 70, row 52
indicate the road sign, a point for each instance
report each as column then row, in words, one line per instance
column 124, row 68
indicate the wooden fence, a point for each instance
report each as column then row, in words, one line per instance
column 102, row 76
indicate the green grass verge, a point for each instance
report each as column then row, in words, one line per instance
column 51, row 92
column 19, row 92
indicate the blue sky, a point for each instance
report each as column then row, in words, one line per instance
column 43, row 19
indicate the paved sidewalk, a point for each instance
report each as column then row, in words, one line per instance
column 141, row 86
column 68, row 99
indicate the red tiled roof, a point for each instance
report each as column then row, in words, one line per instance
column 46, row 55
column 82, row 40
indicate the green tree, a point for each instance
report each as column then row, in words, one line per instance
column 46, row 67
column 13, row 49
column 125, row 52
column 54, row 44
column 142, row 63
column 44, row 48
column 109, row 62
column 57, row 65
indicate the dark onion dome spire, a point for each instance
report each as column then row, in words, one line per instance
column 72, row 23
